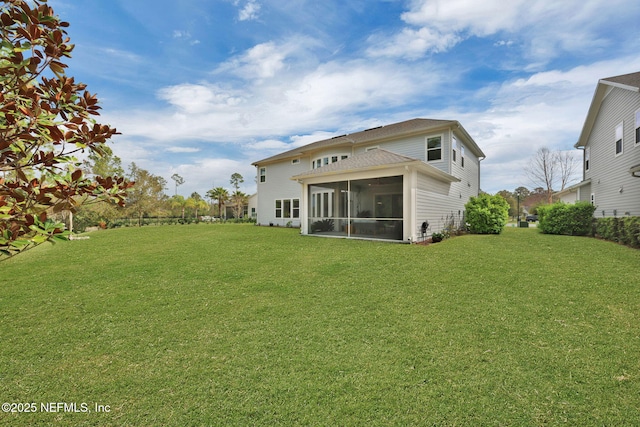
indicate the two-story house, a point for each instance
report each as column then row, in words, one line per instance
column 610, row 140
column 380, row 183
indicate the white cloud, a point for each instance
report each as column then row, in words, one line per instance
column 183, row 149
column 547, row 109
column 546, row 27
column 249, row 11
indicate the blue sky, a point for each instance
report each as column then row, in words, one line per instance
column 203, row 88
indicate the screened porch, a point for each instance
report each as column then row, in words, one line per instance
column 365, row 208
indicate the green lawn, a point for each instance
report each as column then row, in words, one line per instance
column 243, row 325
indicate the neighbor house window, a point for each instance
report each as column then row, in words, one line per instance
column 434, row 148
column 619, row 139
column 288, row 208
column 587, row 158
column 263, row 174
column 593, row 199
column 637, row 127
column 454, row 148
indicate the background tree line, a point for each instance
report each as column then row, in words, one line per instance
column 148, row 199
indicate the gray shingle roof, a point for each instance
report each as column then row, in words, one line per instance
column 369, row 135
column 368, row 159
column 374, row 159
column 632, row 80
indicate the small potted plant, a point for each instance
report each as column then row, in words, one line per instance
column 437, row 237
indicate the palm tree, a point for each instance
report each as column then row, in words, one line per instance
column 221, row 195
column 239, row 200
column 178, row 202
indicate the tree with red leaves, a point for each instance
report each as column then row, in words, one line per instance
column 46, row 118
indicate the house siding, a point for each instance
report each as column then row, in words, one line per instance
column 278, row 185
column 611, row 182
column 437, row 202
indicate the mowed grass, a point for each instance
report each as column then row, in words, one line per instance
column 242, row 325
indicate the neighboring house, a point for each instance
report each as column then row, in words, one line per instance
column 253, row 205
column 610, row 140
column 381, row 183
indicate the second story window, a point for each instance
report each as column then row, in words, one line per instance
column 434, row 148
column 587, row 158
column 619, row 139
column 263, row 174
column 454, row 148
column 637, row 127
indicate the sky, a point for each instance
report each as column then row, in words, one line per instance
column 204, row 88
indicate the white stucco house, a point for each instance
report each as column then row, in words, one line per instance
column 610, row 141
column 380, row 183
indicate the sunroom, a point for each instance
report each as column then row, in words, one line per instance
column 367, row 196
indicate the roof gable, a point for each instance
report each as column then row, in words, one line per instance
column 629, row 82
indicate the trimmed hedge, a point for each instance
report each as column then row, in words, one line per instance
column 622, row 230
column 487, row 214
column 561, row 218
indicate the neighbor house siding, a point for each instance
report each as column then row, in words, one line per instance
column 610, row 177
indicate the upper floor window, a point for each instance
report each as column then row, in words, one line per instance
column 434, row 148
column 323, row 161
column 263, row 174
column 619, row 139
column 454, row 148
column 587, row 158
column 638, row 127
column 295, row 161
column 462, row 155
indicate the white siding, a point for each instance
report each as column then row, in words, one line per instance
column 616, row 191
column 278, row 185
column 413, row 147
column 437, row 200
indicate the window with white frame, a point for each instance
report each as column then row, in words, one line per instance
column 287, row 208
column 637, row 127
column 619, row 139
column 587, row 158
column 462, row 155
column 434, row 148
column 323, row 161
column 263, row 174
column 593, row 199
column 295, row 161
column 454, row 148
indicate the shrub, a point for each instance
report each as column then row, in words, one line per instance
column 561, row 218
column 487, row 214
column 622, row 230
column 323, row 225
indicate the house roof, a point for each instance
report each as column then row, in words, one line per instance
column 629, row 82
column 406, row 128
column 374, row 160
column 573, row 188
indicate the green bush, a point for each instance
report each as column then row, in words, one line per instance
column 487, row 214
column 622, row 230
column 569, row 219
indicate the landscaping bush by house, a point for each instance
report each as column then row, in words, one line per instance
column 569, row 219
column 487, row 214
column 622, row 230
